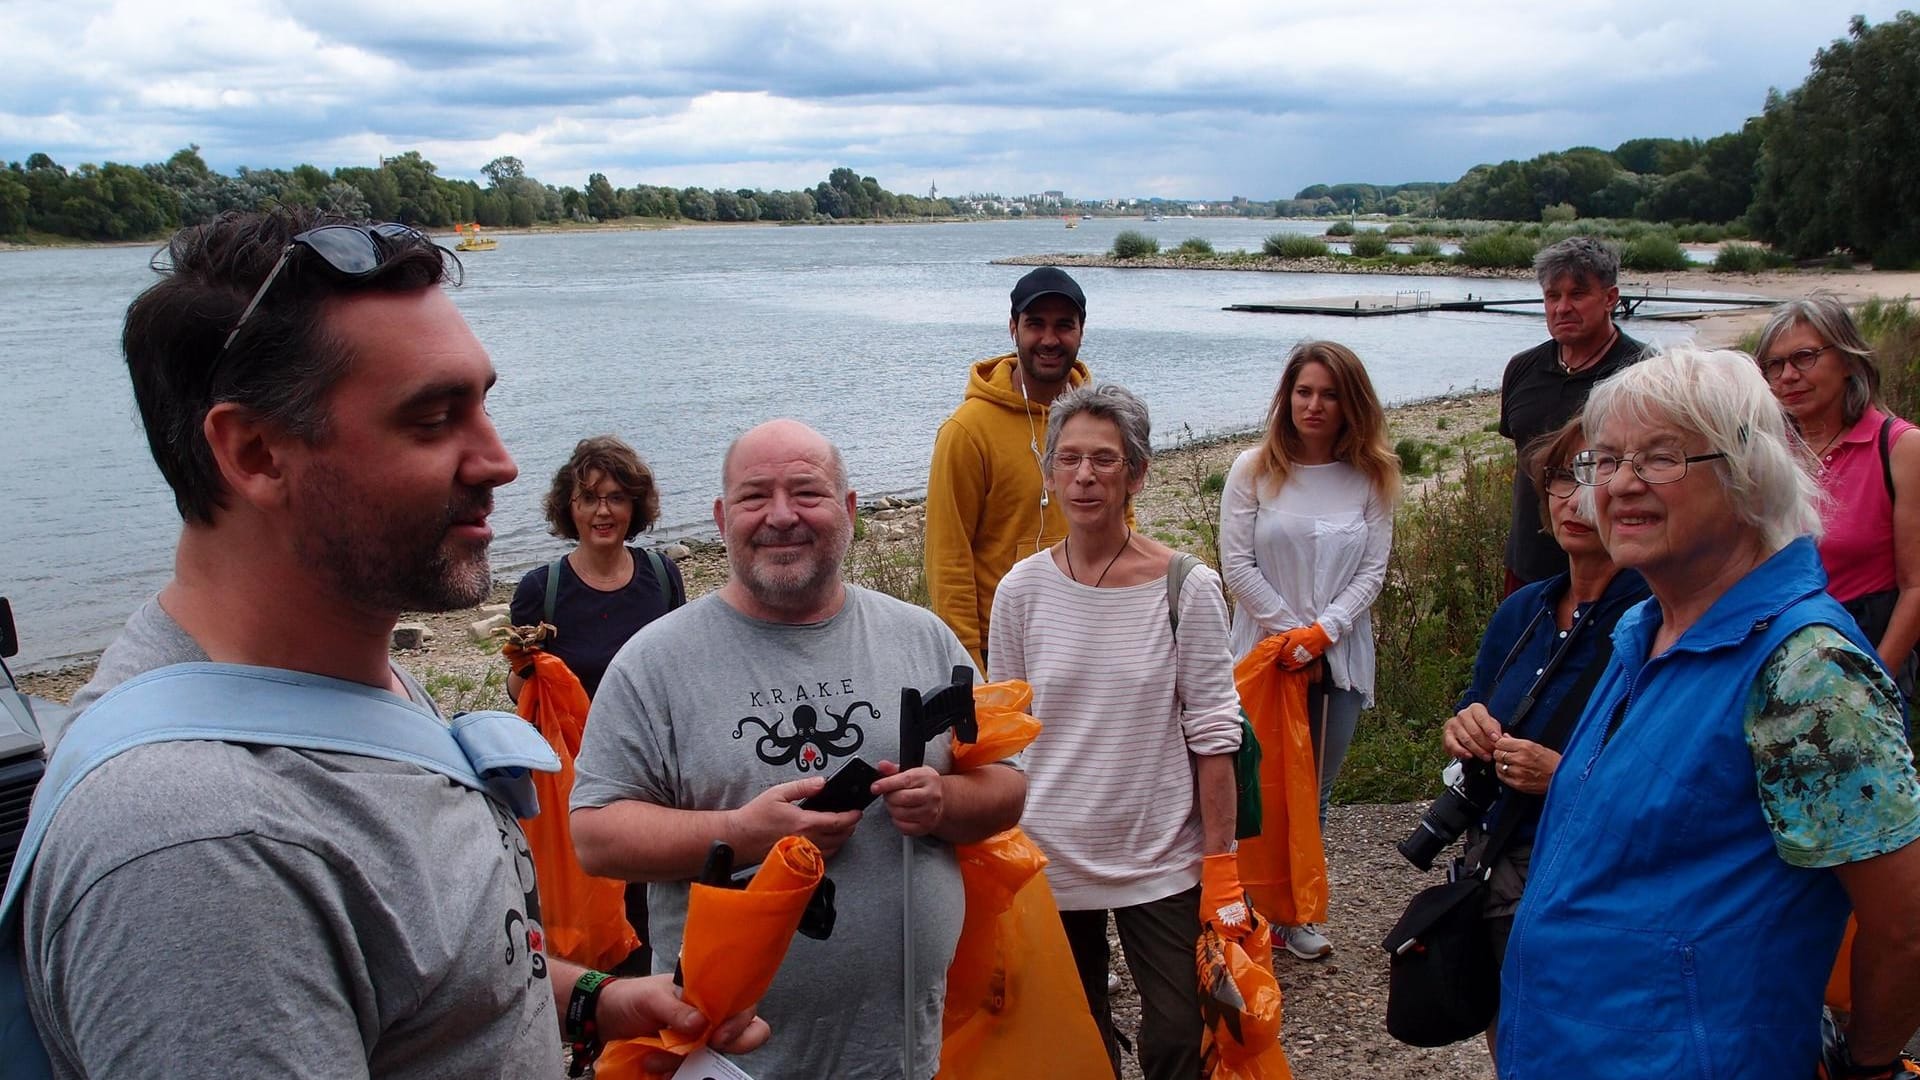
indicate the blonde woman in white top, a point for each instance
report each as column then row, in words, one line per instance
column 1306, row 522
column 1130, row 785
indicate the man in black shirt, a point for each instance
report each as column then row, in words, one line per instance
column 1546, row 385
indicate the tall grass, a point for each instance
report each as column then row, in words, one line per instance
column 1369, row 244
column 1654, row 251
column 1444, row 580
column 1340, row 228
column 1892, row 329
column 1498, row 249
column 1294, row 246
column 1194, row 245
column 1133, row 244
column 1738, row 258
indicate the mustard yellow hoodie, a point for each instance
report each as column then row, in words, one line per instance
column 983, row 497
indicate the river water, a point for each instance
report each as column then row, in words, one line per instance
column 676, row 340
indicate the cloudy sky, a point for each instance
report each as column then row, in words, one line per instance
column 1198, row 99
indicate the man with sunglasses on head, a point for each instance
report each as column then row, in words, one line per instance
column 1545, row 386
column 318, row 406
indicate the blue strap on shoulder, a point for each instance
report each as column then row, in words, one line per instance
column 494, row 753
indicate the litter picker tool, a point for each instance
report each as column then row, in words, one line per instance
column 921, row 718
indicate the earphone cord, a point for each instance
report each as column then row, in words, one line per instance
column 1033, row 444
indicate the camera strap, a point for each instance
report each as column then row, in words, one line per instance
column 1557, row 728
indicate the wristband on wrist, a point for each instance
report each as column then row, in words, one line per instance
column 582, row 1023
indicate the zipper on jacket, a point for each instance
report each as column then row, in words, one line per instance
column 1696, row 1026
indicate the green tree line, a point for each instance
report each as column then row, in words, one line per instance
column 127, row 202
column 1831, row 165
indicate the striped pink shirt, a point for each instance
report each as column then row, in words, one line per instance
column 1110, row 780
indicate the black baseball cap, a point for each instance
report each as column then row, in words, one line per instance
column 1047, row 281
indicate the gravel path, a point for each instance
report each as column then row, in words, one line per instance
column 1335, row 1013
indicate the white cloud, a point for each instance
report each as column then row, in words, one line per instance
column 1205, row 98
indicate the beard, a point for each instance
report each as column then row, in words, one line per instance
column 796, row 584
column 1030, row 367
column 391, row 558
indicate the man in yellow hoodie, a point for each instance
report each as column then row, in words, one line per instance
column 986, row 498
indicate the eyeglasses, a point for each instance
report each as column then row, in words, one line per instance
column 1775, row 366
column 1104, row 464
column 1560, row 482
column 614, row 501
column 350, row 252
column 1593, row 468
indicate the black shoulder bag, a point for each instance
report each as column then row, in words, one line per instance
column 1442, row 983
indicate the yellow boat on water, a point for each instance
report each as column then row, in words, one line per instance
column 471, row 240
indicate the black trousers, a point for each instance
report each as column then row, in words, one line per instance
column 1157, row 939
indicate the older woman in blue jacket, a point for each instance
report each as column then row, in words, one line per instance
column 1739, row 779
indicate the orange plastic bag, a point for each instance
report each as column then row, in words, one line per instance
column 1240, row 1001
column 1015, row 1008
column 1284, row 869
column 584, row 917
column 731, row 949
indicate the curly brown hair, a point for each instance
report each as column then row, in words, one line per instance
column 614, row 459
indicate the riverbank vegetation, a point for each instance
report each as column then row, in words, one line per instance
column 41, row 200
column 1827, row 166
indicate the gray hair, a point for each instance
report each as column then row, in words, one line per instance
column 1580, row 257
column 1107, row 401
column 1826, row 315
column 1721, row 396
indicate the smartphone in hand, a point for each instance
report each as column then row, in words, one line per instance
column 848, row 789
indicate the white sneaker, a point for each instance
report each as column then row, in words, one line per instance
column 1306, row 941
column 1113, row 983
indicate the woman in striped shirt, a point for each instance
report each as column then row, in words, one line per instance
column 1130, row 785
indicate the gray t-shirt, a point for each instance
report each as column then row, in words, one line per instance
column 207, row 909
column 706, row 708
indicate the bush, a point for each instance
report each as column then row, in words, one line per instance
column 1497, row 249
column 1294, row 246
column 1399, row 230
column 1741, row 258
column 1340, row 228
column 1558, row 214
column 1132, row 244
column 1700, row 234
column 1194, row 245
column 1426, row 247
column 1892, row 329
column 1654, row 251
column 1838, row 259
column 1441, row 588
column 1369, row 243
column 1412, row 454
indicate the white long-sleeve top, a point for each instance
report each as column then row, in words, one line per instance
column 1110, row 780
column 1313, row 551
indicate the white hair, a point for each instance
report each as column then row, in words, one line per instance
column 1721, row 396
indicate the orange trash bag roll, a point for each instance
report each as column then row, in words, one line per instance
column 1014, row 1006
column 1284, row 869
column 731, row 948
column 584, row 917
column 1241, row 1003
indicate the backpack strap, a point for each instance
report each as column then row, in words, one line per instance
column 490, row 752
column 1177, row 571
column 670, row 588
column 1886, row 456
column 553, row 588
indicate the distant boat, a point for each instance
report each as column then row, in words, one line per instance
column 1086, row 217
column 1153, row 215
column 471, row 240
column 1071, row 224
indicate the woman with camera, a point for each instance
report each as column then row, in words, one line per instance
column 1538, row 661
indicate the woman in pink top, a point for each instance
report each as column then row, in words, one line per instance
column 1823, row 373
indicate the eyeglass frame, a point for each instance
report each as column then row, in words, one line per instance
column 1552, row 473
column 390, row 230
column 1772, row 368
column 1633, row 460
column 1057, row 461
column 587, row 500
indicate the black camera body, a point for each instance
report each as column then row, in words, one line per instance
column 1472, row 789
